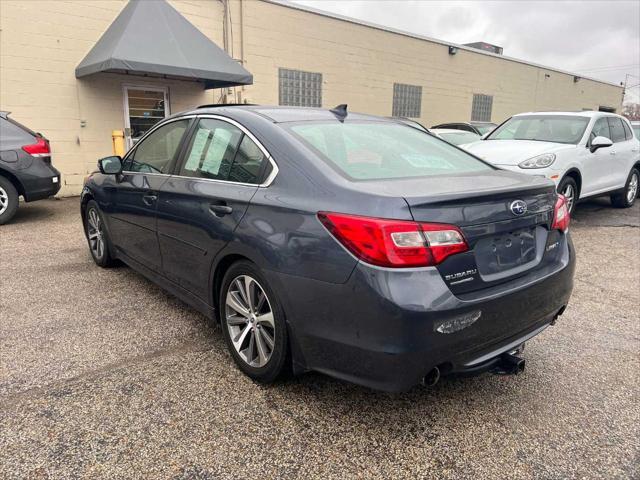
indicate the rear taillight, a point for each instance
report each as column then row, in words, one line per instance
column 38, row 149
column 561, row 215
column 394, row 243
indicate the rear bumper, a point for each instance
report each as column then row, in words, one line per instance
column 380, row 329
column 43, row 182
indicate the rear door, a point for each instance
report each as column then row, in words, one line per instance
column 619, row 155
column 134, row 197
column 201, row 205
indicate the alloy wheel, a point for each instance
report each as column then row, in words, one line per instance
column 632, row 190
column 569, row 193
column 4, row 200
column 95, row 233
column 249, row 320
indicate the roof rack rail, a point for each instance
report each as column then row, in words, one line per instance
column 214, row 105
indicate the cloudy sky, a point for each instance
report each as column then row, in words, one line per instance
column 599, row 39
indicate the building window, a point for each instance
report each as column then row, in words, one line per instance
column 407, row 100
column 481, row 108
column 300, row 89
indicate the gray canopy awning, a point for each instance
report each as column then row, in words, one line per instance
column 150, row 37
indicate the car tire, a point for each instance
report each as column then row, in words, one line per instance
column 627, row 196
column 97, row 236
column 9, row 200
column 257, row 337
column 569, row 188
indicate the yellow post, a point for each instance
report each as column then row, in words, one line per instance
column 118, row 142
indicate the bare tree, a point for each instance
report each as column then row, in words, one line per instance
column 631, row 111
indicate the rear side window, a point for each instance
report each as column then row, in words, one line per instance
column 617, row 130
column 221, row 151
column 155, row 153
column 376, row 150
column 12, row 136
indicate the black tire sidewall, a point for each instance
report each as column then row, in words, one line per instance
column 14, row 200
column 563, row 183
column 619, row 199
column 276, row 364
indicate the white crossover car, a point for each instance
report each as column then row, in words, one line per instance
column 586, row 154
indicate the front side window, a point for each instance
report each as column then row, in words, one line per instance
column 542, row 128
column 627, row 131
column 600, row 129
column 376, row 150
column 156, row 152
column 617, row 130
column 221, row 151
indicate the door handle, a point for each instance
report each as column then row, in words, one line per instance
column 220, row 210
column 612, row 152
column 149, row 199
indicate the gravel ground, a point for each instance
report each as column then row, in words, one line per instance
column 103, row 375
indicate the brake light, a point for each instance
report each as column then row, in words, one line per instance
column 394, row 243
column 561, row 215
column 38, row 149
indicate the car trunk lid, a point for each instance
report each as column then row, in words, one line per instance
column 504, row 217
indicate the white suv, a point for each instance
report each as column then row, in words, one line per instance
column 585, row 153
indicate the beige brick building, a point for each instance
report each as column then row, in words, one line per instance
column 346, row 61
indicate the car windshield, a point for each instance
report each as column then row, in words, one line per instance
column 542, row 128
column 484, row 128
column 459, row 138
column 376, row 150
column 636, row 130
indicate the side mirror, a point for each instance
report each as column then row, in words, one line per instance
column 110, row 165
column 599, row 142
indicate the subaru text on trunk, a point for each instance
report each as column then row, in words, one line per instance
column 348, row 244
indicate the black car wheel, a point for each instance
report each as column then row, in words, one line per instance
column 253, row 323
column 97, row 236
column 627, row 197
column 8, row 200
column 569, row 189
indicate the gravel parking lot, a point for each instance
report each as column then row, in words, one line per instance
column 102, row 374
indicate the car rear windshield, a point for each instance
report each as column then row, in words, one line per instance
column 460, row 138
column 542, row 128
column 377, row 150
column 486, row 128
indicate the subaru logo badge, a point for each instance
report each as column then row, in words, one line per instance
column 518, row 207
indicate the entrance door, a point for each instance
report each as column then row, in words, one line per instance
column 143, row 108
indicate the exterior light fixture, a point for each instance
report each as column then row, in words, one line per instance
column 453, row 50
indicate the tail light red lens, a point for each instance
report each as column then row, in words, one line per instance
column 38, row 149
column 394, row 243
column 561, row 215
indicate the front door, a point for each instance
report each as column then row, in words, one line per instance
column 135, row 198
column 143, row 108
column 200, row 208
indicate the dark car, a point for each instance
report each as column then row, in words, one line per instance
column 481, row 128
column 25, row 167
column 348, row 244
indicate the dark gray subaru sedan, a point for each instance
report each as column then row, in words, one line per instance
column 348, row 244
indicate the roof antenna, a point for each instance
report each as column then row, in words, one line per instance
column 340, row 111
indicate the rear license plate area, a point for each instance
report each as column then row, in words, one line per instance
column 506, row 251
